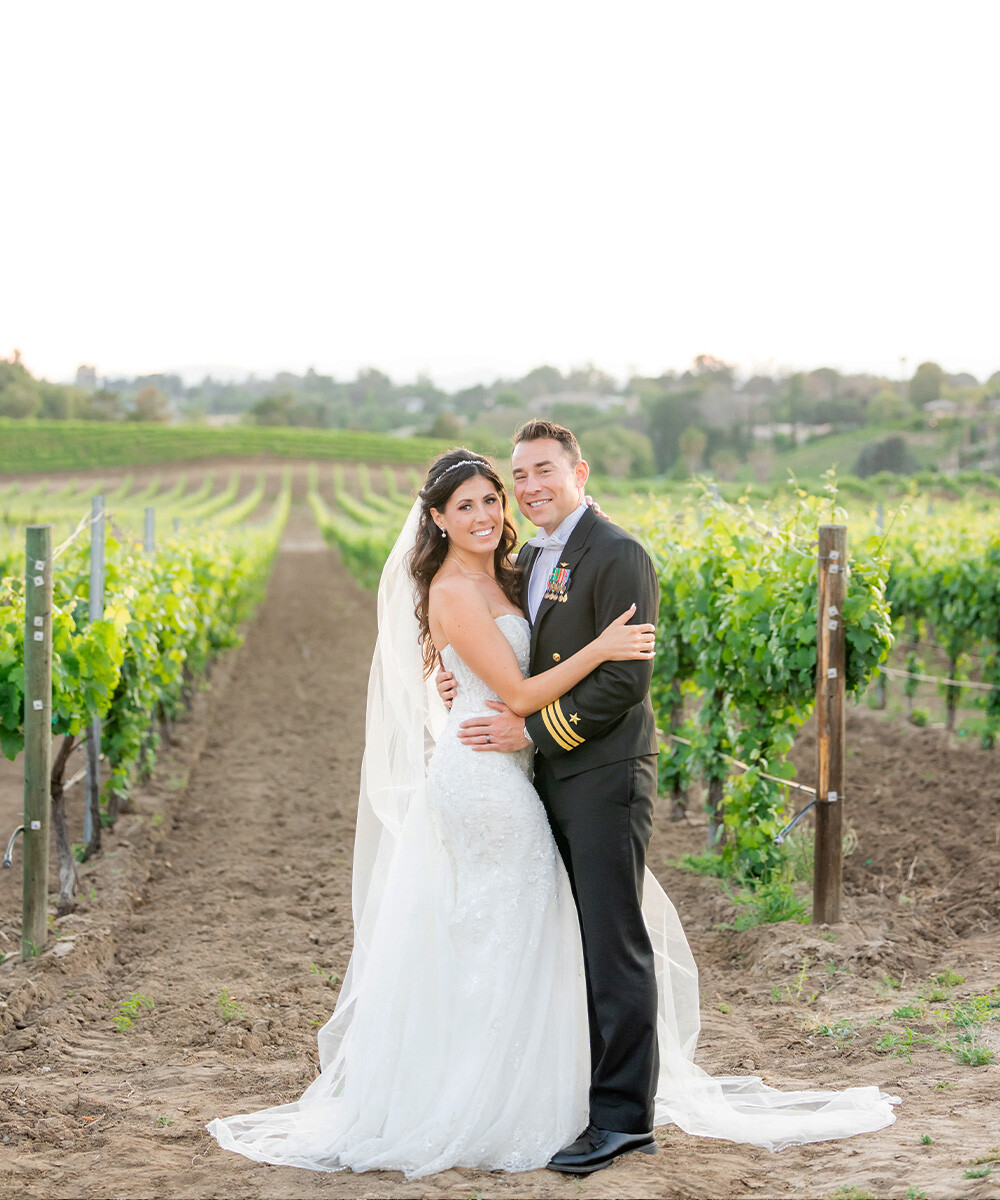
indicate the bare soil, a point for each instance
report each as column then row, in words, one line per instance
column 224, row 898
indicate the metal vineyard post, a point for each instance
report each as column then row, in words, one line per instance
column 37, row 736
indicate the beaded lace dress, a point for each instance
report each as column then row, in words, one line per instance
column 468, row 1045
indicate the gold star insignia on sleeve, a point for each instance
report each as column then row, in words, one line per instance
column 575, row 718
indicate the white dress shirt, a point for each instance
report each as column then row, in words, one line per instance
column 549, row 558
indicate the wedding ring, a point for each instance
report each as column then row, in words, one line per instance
column 487, row 739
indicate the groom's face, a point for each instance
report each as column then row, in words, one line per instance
column 547, row 486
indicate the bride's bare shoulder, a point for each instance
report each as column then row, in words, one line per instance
column 453, row 588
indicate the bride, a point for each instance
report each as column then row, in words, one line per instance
column 460, row 1036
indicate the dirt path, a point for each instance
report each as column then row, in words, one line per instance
column 234, row 873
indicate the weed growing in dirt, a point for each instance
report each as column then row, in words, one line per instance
column 900, row 1044
column 230, row 1009
column 887, row 985
column 329, row 976
column 976, row 1172
column 908, row 1012
column 130, row 1008
column 925, row 1139
column 967, row 1016
column 724, row 1008
column 766, row 904
column 969, row 1052
column 794, row 992
column 939, row 989
column 842, row 1031
column 942, row 1084
column 949, row 978
column 991, row 1156
column 852, row 1192
column 913, row 1193
column 164, row 1120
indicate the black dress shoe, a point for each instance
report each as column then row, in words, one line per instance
column 596, row 1148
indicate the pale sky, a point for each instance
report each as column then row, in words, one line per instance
column 473, row 188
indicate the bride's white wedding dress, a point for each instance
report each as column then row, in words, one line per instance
column 460, row 1036
column 468, row 1045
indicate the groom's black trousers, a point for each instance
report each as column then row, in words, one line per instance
column 602, row 820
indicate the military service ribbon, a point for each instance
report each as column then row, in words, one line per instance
column 558, row 584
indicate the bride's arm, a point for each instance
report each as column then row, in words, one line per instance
column 459, row 611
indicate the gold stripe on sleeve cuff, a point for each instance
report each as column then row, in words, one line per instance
column 557, row 737
column 565, row 726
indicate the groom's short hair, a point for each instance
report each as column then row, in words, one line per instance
column 536, row 429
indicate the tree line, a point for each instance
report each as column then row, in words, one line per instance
column 676, row 423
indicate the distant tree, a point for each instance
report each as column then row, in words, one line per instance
column 471, row 399
column 60, row 403
column 619, row 452
column 370, row 385
column 823, row 383
column 589, row 379
column 667, row 416
column 272, row 410
column 508, row 399
column 691, row 444
column 447, row 426
column 103, row 405
column 20, row 398
column 890, row 454
column 712, row 367
column 541, row 381
column 150, row 404
column 926, row 384
column 887, row 405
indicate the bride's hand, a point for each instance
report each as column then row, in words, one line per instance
column 622, row 642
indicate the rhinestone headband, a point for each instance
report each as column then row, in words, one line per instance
column 461, row 463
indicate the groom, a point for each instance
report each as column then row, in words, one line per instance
column 595, row 770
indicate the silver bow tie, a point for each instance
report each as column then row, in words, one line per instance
column 547, row 541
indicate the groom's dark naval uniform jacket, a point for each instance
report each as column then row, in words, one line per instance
column 595, row 770
column 607, row 717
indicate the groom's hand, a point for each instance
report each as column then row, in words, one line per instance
column 444, row 681
column 504, row 732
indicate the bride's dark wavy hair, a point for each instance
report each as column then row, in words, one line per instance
column 446, row 474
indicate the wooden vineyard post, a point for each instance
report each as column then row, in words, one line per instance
column 149, row 531
column 37, row 737
column 828, row 863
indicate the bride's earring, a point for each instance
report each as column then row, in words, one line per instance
column 443, row 531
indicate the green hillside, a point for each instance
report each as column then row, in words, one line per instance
column 73, row 445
